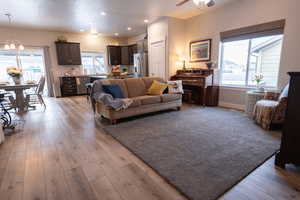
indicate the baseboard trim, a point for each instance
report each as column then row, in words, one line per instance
column 233, row 106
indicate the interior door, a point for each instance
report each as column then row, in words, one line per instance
column 157, row 59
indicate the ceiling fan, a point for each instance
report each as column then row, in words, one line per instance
column 199, row 3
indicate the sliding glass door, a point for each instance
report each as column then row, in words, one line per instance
column 31, row 61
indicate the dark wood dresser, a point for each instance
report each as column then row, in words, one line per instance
column 201, row 83
column 290, row 142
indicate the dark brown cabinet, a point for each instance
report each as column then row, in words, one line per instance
column 114, row 55
column 125, row 59
column 121, row 55
column 68, row 86
column 290, row 141
column 68, row 53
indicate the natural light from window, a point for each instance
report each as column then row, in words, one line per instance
column 31, row 63
column 93, row 63
column 242, row 59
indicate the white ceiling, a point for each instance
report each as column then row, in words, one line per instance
column 73, row 15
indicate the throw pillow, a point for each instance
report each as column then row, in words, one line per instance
column 157, row 88
column 175, row 87
column 114, row 90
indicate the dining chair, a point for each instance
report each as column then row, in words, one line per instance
column 5, row 117
column 37, row 96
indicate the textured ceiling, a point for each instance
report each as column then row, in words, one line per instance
column 73, row 15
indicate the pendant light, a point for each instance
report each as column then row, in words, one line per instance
column 10, row 44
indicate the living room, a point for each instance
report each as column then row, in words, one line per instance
column 157, row 100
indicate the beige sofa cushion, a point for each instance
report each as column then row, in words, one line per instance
column 135, row 87
column 170, row 97
column 149, row 80
column 122, row 85
column 136, row 102
column 147, row 99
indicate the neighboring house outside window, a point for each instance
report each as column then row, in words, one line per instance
column 242, row 59
column 93, row 63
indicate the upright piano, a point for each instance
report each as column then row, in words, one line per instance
column 201, row 83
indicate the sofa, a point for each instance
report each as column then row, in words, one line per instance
column 136, row 89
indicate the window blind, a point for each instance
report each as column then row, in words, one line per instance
column 260, row 30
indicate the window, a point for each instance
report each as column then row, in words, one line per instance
column 31, row 61
column 93, row 63
column 242, row 59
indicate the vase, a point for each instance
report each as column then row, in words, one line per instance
column 16, row 80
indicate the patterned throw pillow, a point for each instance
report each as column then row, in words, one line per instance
column 157, row 88
column 175, row 87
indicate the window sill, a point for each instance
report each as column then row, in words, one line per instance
column 245, row 88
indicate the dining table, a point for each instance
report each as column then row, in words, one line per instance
column 19, row 102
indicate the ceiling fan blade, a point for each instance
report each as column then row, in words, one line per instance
column 182, row 2
column 211, row 3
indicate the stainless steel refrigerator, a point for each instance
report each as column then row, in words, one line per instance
column 141, row 64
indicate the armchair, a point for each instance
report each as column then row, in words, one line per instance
column 271, row 110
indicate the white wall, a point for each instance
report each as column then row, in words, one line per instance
column 135, row 39
column 176, row 45
column 47, row 38
column 245, row 13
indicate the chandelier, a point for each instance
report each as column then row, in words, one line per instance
column 204, row 3
column 12, row 44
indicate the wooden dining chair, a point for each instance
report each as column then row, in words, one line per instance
column 37, row 96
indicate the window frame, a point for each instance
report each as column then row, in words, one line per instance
column 95, row 52
column 246, row 85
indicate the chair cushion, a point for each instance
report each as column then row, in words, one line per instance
column 266, row 103
column 122, row 85
column 147, row 99
column 114, row 90
column 157, row 88
column 135, row 87
column 170, row 97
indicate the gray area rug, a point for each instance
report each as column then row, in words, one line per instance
column 203, row 152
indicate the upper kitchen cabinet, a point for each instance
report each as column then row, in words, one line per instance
column 132, row 50
column 68, row 53
column 121, row 55
column 125, row 58
column 114, row 55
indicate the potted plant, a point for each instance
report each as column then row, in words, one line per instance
column 258, row 78
column 15, row 73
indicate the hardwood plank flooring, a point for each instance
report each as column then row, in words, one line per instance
column 63, row 154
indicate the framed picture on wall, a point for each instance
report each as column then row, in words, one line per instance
column 200, row 51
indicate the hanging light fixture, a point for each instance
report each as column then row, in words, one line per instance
column 203, row 3
column 12, row 45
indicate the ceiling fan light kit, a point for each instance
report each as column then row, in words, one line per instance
column 11, row 44
column 199, row 3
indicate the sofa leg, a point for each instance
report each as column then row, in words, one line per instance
column 178, row 108
column 113, row 121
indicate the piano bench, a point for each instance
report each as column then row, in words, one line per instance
column 187, row 96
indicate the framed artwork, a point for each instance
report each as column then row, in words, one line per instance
column 200, row 51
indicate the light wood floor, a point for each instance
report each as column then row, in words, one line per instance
column 62, row 154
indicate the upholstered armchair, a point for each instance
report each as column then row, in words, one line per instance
column 271, row 110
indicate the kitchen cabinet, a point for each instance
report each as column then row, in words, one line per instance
column 125, row 58
column 121, row 55
column 114, row 55
column 68, row 53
